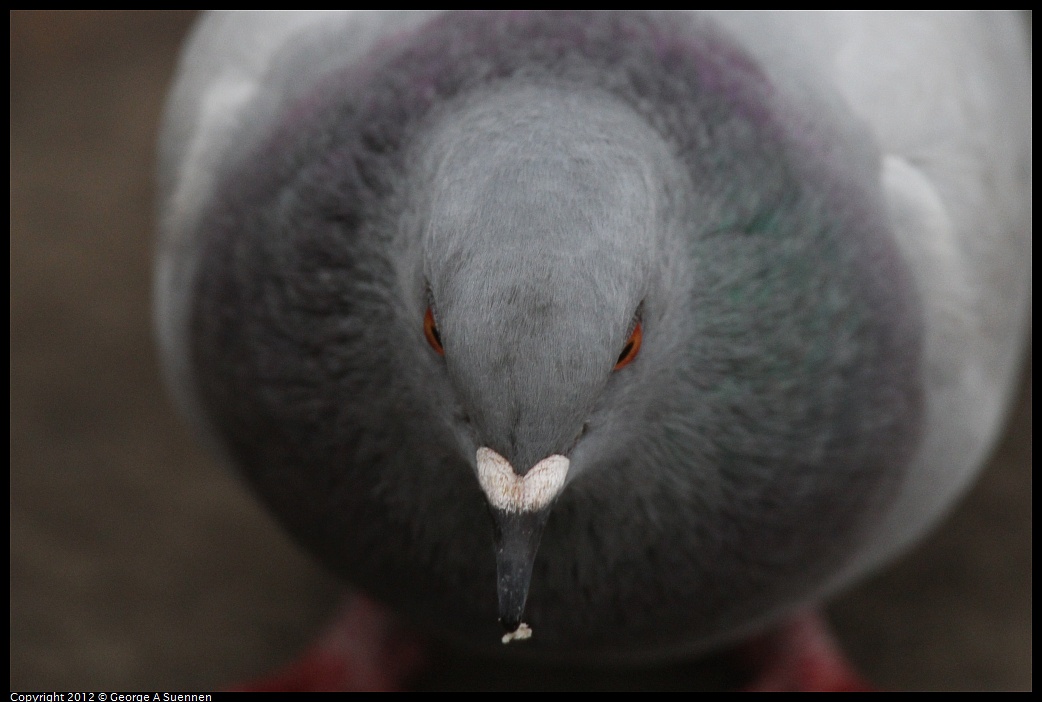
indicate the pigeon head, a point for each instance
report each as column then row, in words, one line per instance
column 544, row 217
column 539, row 251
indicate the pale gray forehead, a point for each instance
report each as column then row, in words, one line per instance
column 578, row 172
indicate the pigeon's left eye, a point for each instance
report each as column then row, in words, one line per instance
column 629, row 351
column 430, row 330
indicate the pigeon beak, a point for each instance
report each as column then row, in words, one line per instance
column 516, row 536
column 520, row 508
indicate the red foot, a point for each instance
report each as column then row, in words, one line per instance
column 364, row 650
column 802, row 656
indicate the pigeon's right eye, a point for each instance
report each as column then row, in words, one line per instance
column 629, row 351
column 430, row 330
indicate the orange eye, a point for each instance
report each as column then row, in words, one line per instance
column 430, row 330
column 629, row 351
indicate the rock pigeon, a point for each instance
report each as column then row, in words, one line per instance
column 630, row 334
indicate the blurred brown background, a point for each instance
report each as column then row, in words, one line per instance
column 138, row 563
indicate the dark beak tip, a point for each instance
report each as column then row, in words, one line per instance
column 510, row 623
